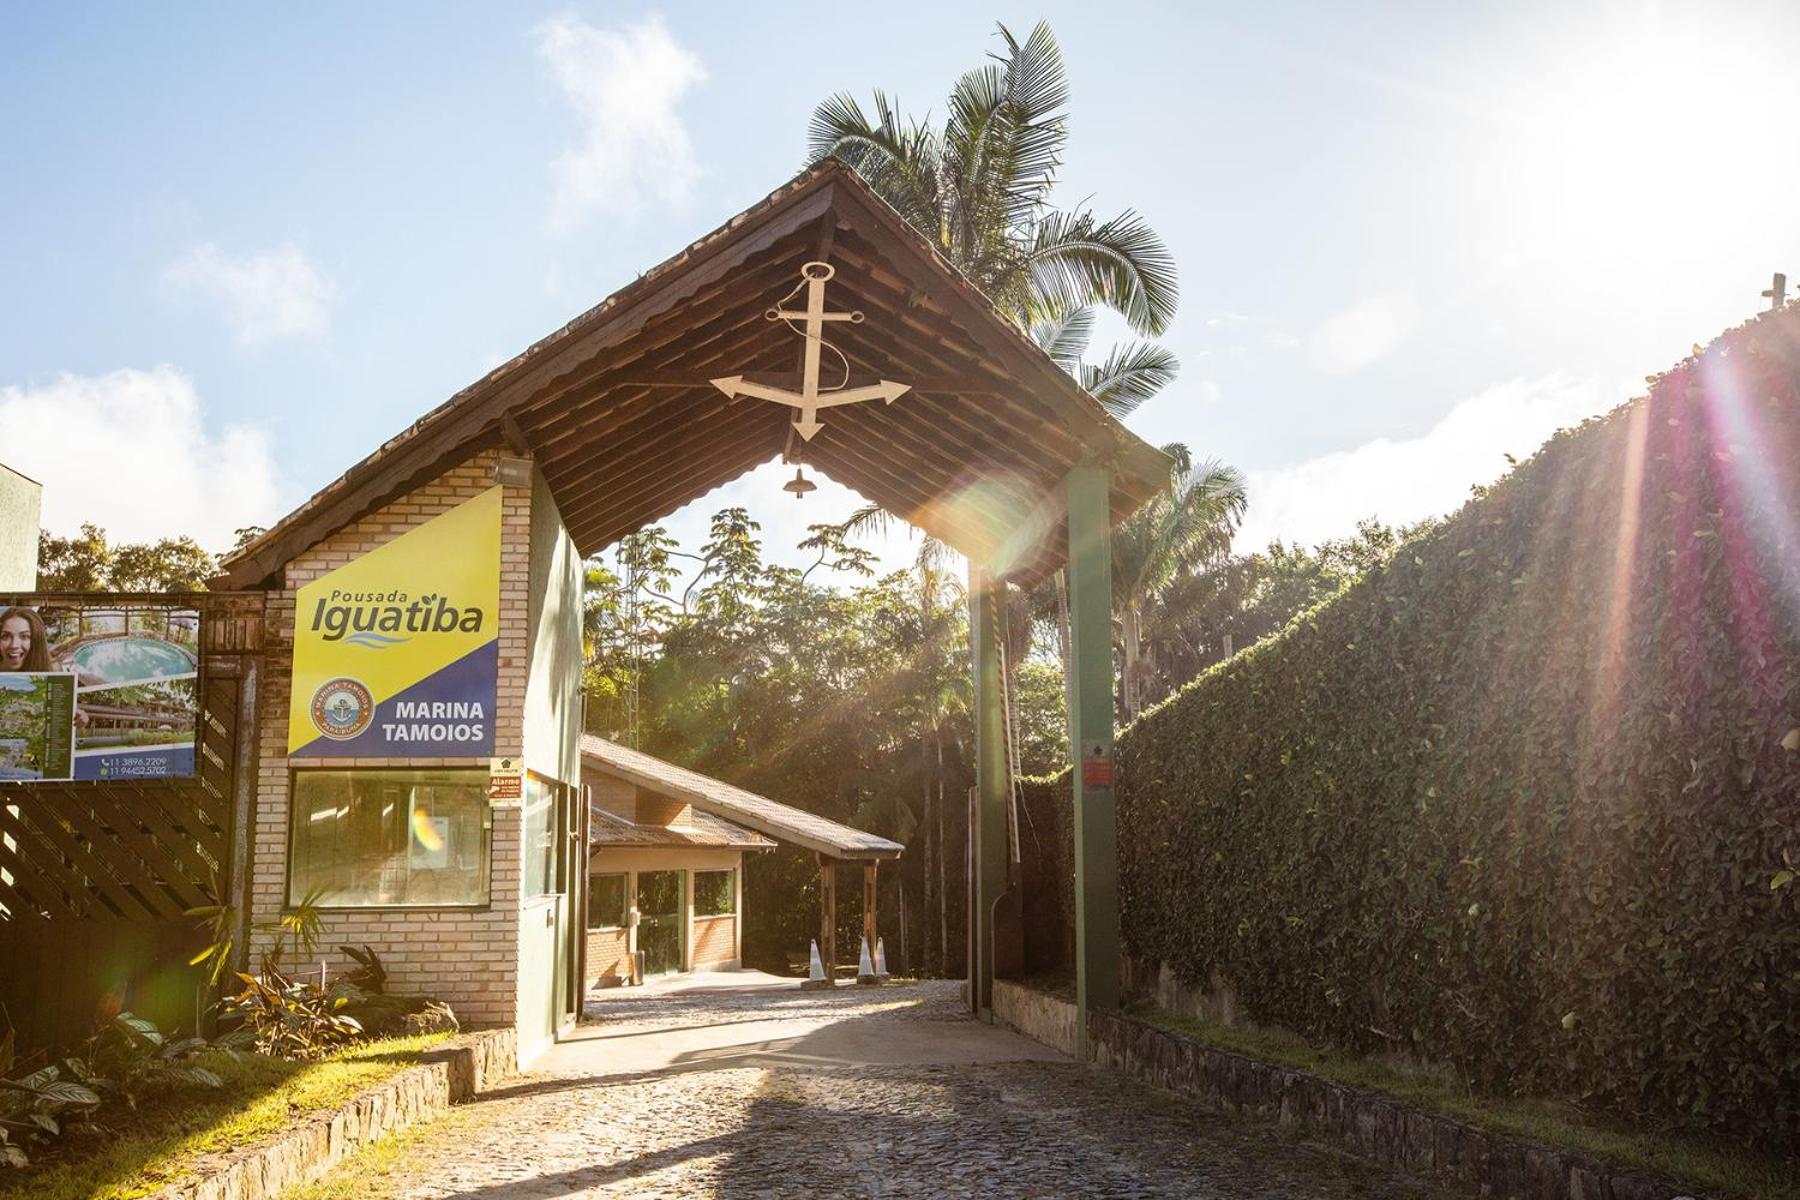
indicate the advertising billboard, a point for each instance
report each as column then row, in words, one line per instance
column 397, row 652
column 98, row 692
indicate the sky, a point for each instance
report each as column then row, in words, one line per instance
column 239, row 249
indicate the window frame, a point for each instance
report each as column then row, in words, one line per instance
column 730, row 891
column 624, row 878
column 563, row 817
column 486, row 904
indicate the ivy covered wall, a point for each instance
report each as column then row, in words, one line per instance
column 1518, row 802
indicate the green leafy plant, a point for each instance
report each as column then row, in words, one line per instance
column 125, row 1056
column 128, row 1054
column 369, row 975
column 281, row 1014
column 296, row 932
column 290, row 1018
column 38, row 1106
column 1523, row 801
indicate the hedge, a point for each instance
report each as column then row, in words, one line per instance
column 1519, row 801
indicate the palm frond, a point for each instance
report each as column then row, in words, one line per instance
column 1130, row 375
column 1189, row 524
column 1066, row 338
column 1076, row 260
column 870, row 519
column 1034, row 124
column 898, row 158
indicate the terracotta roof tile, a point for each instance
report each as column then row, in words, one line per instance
column 782, row 822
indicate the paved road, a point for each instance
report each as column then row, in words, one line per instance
column 858, row 1092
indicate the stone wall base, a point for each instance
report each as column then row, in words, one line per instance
column 1368, row 1124
column 459, row 1071
column 1040, row 1017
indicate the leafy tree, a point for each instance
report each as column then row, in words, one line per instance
column 1237, row 601
column 841, row 701
column 88, row 563
column 82, row 563
column 1039, row 708
column 1179, row 530
column 169, row 565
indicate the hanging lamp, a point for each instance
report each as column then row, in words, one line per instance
column 799, row 485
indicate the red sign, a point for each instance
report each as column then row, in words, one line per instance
column 1097, row 772
column 506, row 779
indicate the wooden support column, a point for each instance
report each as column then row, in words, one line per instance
column 240, row 875
column 1091, row 744
column 828, row 916
column 987, row 862
column 869, row 925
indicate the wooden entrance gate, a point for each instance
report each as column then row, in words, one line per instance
column 96, row 877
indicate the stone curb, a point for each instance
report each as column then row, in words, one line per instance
column 1370, row 1125
column 459, row 1071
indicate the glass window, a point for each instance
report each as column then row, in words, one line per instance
column 545, row 847
column 606, row 901
column 390, row 838
column 715, row 893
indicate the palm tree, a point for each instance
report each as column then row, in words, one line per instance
column 1186, row 526
column 979, row 189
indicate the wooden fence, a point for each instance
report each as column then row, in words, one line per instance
column 96, row 878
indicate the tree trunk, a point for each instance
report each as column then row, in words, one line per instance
column 943, row 939
column 1065, row 643
column 901, row 883
column 928, row 814
column 1128, row 622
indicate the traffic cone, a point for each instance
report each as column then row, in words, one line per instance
column 815, row 970
column 865, row 966
column 881, row 971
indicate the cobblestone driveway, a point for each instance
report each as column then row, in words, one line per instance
column 775, row 1094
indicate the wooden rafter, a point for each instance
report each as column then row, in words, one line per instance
column 615, row 410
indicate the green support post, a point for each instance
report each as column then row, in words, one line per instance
column 1091, row 744
column 988, row 821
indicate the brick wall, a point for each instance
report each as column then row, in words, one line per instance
column 654, row 808
column 467, row 957
column 607, row 954
column 715, row 940
column 610, row 793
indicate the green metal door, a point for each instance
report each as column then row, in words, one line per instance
column 662, row 918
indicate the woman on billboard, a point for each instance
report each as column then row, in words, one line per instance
column 24, row 643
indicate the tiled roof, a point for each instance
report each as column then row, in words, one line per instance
column 782, row 822
column 607, row 829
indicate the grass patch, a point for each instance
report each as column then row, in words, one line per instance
column 1727, row 1170
column 374, row 1171
column 128, row 1154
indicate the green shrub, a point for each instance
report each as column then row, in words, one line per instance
column 1520, row 802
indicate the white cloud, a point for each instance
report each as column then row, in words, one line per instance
column 1366, row 331
column 1402, row 480
column 130, row 451
column 624, row 84
column 265, row 295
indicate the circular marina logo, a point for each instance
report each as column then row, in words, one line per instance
column 342, row 708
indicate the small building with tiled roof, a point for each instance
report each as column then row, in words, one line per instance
column 665, row 861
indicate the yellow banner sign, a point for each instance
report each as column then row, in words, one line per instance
column 397, row 654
